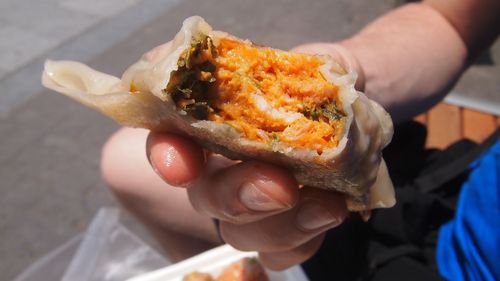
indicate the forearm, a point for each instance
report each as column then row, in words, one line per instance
column 477, row 21
column 410, row 58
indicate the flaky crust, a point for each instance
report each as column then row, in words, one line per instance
column 355, row 167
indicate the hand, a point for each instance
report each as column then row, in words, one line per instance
column 260, row 206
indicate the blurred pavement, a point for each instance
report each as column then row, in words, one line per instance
column 30, row 28
column 50, row 145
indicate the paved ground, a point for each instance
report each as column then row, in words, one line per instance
column 30, row 28
column 49, row 145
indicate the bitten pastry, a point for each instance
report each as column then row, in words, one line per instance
column 246, row 101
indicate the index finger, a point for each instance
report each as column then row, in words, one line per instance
column 340, row 54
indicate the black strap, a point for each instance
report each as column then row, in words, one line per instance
column 433, row 180
column 384, row 257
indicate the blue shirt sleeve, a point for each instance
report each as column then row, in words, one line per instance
column 469, row 245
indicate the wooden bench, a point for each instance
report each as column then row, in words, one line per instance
column 448, row 123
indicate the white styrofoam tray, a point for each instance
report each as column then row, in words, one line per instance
column 213, row 262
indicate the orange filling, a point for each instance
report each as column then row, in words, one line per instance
column 270, row 95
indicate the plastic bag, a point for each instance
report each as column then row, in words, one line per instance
column 107, row 252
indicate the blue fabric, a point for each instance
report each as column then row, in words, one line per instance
column 469, row 245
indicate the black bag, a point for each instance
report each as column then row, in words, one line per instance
column 400, row 243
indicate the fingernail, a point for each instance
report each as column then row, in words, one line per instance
column 164, row 159
column 312, row 215
column 255, row 199
column 152, row 162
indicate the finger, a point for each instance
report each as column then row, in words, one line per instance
column 285, row 259
column 340, row 54
column 178, row 160
column 317, row 211
column 336, row 51
column 244, row 192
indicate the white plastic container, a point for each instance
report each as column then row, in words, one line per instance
column 213, row 262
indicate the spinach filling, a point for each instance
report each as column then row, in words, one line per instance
column 190, row 83
column 327, row 112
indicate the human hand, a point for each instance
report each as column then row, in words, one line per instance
column 260, row 206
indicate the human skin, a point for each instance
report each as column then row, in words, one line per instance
column 407, row 60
